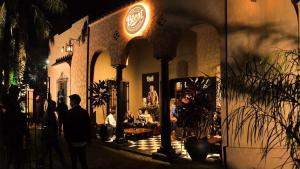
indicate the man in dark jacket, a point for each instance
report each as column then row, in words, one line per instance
column 77, row 130
column 62, row 110
column 49, row 139
column 14, row 128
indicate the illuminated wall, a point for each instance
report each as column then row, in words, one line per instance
column 258, row 27
column 103, row 71
column 252, row 26
column 76, row 74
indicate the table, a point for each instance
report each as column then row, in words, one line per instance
column 215, row 144
column 138, row 133
column 215, row 139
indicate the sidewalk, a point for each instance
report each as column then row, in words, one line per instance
column 137, row 160
column 102, row 155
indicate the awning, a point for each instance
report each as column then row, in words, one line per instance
column 63, row 59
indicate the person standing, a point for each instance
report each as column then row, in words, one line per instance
column 173, row 118
column 77, row 130
column 62, row 110
column 14, row 128
column 50, row 138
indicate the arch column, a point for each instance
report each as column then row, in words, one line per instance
column 165, row 42
column 118, row 61
column 165, row 147
column 121, row 109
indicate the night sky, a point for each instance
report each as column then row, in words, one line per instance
column 77, row 9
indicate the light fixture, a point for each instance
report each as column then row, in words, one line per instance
column 127, row 61
column 47, row 61
column 69, row 47
column 62, row 49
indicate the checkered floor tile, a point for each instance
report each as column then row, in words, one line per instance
column 152, row 145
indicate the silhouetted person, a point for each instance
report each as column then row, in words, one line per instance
column 14, row 128
column 62, row 110
column 129, row 120
column 77, row 129
column 50, row 134
column 2, row 120
column 36, row 113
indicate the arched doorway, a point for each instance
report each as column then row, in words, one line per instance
column 198, row 53
column 101, row 69
column 140, row 63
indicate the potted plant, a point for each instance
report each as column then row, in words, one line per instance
column 194, row 117
column 99, row 96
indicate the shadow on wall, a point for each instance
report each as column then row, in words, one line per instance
column 266, row 87
column 182, row 68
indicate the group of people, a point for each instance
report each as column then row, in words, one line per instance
column 13, row 128
column 57, row 120
column 75, row 125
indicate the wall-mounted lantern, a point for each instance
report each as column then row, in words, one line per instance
column 62, row 49
column 69, row 47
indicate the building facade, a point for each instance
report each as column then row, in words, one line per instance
column 174, row 39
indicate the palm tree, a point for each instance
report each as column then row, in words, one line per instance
column 269, row 112
column 265, row 91
column 20, row 19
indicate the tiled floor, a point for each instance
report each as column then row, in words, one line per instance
column 152, row 144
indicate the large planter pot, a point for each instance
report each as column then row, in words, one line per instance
column 197, row 149
column 106, row 132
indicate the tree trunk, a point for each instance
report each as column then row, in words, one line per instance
column 6, row 50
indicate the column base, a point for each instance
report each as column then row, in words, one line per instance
column 121, row 140
column 166, row 153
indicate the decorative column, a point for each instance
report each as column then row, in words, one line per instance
column 166, row 147
column 120, row 138
column 164, row 40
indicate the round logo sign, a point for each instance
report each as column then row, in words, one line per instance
column 135, row 19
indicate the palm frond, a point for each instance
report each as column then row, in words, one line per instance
column 55, row 6
column 100, row 93
column 42, row 24
column 270, row 110
column 2, row 19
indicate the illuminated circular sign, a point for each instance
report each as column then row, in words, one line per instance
column 135, row 19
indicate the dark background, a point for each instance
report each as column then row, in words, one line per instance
column 77, row 9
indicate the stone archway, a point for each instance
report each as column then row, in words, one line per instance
column 140, row 62
column 101, row 69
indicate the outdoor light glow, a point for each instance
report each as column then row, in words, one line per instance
column 136, row 20
column 47, row 61
column 127, row 61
